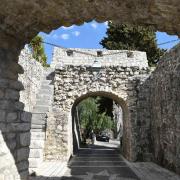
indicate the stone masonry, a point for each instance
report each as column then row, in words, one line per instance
column 37, row 98
column 75, row 82
column 149, row 101
column 24, row 19
column 159, row 111
column 31, row 78
column 14, row 122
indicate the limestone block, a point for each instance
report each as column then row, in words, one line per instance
column 12, row 94
column 22, row 165
column 16, row 85
column 22, row 154
column 19, row 106
column 16, row 127
column 25, row 139
column 2, row 115
column 1, row 93
column 12, row 116
column 26, row 116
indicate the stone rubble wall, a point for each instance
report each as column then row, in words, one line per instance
column 159, row 112
column 72, row 83
column 164, row 104
column 31, row 79
column 109, row 58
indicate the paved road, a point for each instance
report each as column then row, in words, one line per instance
column 98, row 163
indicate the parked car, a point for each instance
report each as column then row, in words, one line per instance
column 102, row 137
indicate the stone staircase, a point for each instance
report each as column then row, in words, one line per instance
column 39, row 120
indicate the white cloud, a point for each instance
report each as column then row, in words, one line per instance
column 106, row 23
column 94, row 25
column 64, row 36
column 76, row 33
column 67, row 28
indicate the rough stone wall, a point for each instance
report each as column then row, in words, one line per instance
column 159, row 112
column 165, row 110
column 14, row 122
column 24, row 19
column 75, row 82
column 31, row 79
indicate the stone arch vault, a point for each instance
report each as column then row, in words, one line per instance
column 126, row 145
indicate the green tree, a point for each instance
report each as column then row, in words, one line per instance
column 91, row 118
column 128, row 37
column 37, row 50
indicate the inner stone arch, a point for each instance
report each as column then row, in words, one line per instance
column 126, row 141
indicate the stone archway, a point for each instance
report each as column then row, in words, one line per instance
column 75, row 80
column 127, row 131
column 17, row 28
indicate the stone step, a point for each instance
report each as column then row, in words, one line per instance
column 38, row 121
column 49, row 87
column 38, row 126
column 46, row 82
column 37, row 136
column 36, row 153
column 38, row 130
column 46, row 91
column 44, row 97
column 37, row 144
column 38, row 109
column 35, row 162
column 39, row 116
column 40, row 102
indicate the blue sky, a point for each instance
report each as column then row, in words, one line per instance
column 88, row 36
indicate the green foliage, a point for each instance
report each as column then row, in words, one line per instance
column 128, row 37
column 37, row 50
column 91, row 119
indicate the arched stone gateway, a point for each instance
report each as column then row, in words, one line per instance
column 79, row 75
column 126, row 145
column 22, row 20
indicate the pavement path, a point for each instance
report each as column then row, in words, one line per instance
column 102, row 161
column 98, row 163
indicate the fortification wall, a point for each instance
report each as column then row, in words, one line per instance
column 159, row 111
column 99, row 57
column 31, row 79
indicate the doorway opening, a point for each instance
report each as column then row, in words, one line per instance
column 98, row 122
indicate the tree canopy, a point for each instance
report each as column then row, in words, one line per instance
column 91, row 118
column 128, row 37
column 37, row 50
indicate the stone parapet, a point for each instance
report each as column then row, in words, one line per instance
column 99, row 57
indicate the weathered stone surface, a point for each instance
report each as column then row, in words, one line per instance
column 26, row 116
column 22, row 154
column 48, row 15
column 25, row 139
column 12, row 116
column 159, row 110
column 2, row 115
column 12, row 94
column 78, row 77
column 31, row 79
